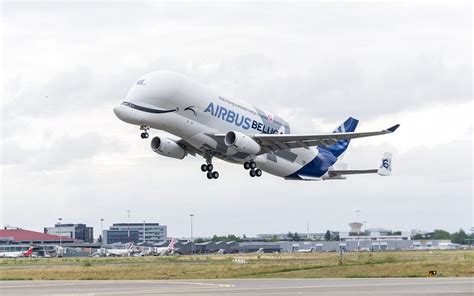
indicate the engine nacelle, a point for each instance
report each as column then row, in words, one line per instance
column 167, row 147
column 241, row 142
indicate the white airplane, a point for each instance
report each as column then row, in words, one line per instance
column 306, row 250
column 120, row 252
column 169, row 250
column 213, row 125
column 26, row 253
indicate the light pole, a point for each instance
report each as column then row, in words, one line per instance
column 128, row 225
column 60, row 238
column 192, row 240
column 102, row 231
column 307, row 230
column 143, row 231
column 358, row 232
column 365, row 239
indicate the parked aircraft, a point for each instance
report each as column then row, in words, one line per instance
column 169, row 250
column 306, row 250
column 121, row 252
column 18, row 254
column 216, row 126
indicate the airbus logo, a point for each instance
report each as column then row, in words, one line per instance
column 237, row 119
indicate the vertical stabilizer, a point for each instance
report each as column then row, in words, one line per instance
column 348, row 126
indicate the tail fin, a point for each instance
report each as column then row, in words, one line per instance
column 28, row 252
column 385, row 168
column 348, row 126
column 130, row 246
column 172, row 243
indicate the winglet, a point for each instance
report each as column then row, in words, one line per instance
column 393, row 128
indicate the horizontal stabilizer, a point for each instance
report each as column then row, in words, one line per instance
column 385, row 169
column 351, row 172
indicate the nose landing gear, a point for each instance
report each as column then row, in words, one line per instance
column 144, row 134
column 252, row 166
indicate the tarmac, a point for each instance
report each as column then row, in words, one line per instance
column 377, row 286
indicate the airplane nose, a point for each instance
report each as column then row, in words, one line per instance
column 120, row 113
column 116, row 111
column 126, row 114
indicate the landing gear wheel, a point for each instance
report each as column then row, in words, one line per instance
column 215, row 175
column 209, row 175
column 145, row 129
column 204, row 168
column 253, row 165
column 258, row 172
column 246, row 165
column 209, row 167
column 252, row 173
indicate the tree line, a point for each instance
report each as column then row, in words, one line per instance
column 459, row 237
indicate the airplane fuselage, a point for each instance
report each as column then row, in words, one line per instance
column 194, row 113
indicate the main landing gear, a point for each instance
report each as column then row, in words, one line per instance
column 252, row 166
column 209, row 169
column 145, row 129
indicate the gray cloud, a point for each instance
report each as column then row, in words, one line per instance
column 60, row 153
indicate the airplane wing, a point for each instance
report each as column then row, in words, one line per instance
column 271, row 142
column 187, row 147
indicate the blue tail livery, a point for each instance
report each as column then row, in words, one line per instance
column 348, row 126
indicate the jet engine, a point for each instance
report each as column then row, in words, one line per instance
column 241, row 142
column 167, row 147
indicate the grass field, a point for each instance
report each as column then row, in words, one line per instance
column 308, row 265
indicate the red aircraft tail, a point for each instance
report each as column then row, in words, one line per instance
column 28, row 252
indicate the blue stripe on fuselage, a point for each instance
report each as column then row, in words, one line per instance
column 318, row 166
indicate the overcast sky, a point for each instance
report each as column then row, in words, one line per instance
column 65, row 154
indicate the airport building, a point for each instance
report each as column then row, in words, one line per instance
column 373, row 234
column 120, row 236
column 149, row 233
column 74, row 231
column 28, row 237
column 284, row 236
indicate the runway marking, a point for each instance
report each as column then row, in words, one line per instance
column 203, row 284
column 39, row 285
column 371, row 292
column 200, row 287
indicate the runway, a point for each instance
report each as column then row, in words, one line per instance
column 392, row 286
